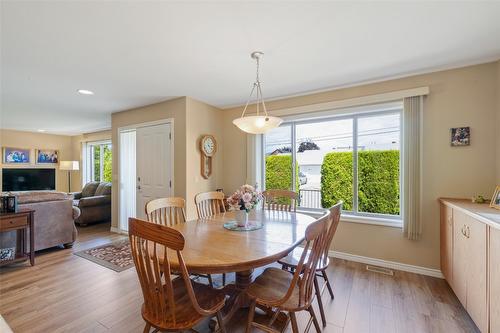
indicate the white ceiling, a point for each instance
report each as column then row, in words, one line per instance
column 137, row 53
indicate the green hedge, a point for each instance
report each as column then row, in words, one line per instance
column 336, row 179
column 378, row 181
column 279, row 173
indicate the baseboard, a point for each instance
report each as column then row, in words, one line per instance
column 118, row 231
column 387, row 264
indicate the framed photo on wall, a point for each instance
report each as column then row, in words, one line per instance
column 47, row 156
column 495, row 199
column 16, row 155
column 460, row 136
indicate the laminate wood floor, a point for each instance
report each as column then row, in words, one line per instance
column 66, row 293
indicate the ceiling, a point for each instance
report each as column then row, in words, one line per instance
column 137, row 53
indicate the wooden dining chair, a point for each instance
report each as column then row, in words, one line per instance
column 291, row 261
column 279, row 289
column 283, row 200
column 169, row 304
column 209, row 204
column 169, row 212
column 166, row 211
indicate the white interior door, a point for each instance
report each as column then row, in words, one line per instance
column 153, row 165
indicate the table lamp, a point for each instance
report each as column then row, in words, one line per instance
column 69, row 166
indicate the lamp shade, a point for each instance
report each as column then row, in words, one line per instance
column 257, row 124
column 69, row 165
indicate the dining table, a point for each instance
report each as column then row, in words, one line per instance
column 210, row 248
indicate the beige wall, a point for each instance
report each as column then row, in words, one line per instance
column 20, row 139
column 498, row 123
column 172, row 109
column 76, row 146
column 461, row 97
column 201, row 119
column 191, row 119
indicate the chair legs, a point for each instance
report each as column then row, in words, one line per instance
column 223, row 279
column 315, row 320
column 328, row 285
column 147, row 328
column 251, row 313
column 222, row 328
column 210, row 282
column 317, row 290
column 293, row 319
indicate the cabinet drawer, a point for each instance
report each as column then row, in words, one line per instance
column 13, row 222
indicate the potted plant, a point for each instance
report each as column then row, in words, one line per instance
column 243, row 201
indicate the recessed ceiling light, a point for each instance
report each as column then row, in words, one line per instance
column 41, row 130
column 85, row 92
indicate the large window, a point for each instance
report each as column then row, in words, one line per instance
column 99, row 161
column 353, row 158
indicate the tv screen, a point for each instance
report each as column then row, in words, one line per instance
column 28, row 179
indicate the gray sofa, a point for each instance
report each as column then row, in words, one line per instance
column 94, row 202
column 54, row 219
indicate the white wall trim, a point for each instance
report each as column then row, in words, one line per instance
column 119, row 231
column 387, row 264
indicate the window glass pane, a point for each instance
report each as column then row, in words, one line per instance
column 107, row 163
column 278, row 153
column 324, row 158
column 96, row 163
column 378, row 164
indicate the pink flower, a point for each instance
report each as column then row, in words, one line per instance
column 247, row 197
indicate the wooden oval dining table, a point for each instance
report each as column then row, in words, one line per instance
column 211, row 248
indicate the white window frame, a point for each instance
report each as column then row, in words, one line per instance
column 354, row 114
column 89, row 159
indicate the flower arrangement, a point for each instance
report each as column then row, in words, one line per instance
column 245, row 198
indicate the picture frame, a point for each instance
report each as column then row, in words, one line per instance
column 47, row 156
column 460, row 136
column 12, row 155
column 495, row 199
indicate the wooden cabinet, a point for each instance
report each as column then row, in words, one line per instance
column 447, row 242
column 494, row 293
column 470, row 259
column 469, row 266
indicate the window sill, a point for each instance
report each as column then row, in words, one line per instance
column 393, row 223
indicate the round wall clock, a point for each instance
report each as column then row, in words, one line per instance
column 208, row 147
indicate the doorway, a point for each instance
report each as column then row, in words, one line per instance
column 146, row 167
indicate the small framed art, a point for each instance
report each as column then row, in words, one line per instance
column 47, row 156
column 495, row 199
column 16, row 155
column 460, row 136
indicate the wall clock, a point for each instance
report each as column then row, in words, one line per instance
column 208, row 147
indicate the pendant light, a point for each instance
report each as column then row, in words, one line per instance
column 260, row 123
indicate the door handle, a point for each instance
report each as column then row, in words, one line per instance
column 138, row 187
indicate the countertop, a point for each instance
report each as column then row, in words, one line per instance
column 481, row 212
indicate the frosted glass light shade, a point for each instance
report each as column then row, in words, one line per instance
column 69, row 165
column 257, row 124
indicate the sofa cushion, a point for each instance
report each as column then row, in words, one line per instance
column 104, row 188
column 39, row 196
column 89, row 189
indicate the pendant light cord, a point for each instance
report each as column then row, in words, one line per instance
column 260, row 98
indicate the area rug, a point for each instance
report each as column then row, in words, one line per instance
column 115, row 256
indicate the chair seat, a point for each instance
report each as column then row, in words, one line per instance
column 271, row 286
column 186, row 316
column 293, row 258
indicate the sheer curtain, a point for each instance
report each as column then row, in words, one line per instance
column 127, row 177
column 412, row 167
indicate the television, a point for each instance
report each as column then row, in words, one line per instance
column 28, row 179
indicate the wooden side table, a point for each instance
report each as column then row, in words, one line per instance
column 23, row 223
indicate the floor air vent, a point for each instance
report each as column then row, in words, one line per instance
column 380, row 270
